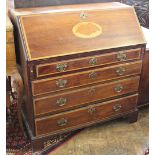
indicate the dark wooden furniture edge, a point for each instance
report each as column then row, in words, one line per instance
column 143, row 99
column 38, row 142
column 27, row 66
column 24, row 68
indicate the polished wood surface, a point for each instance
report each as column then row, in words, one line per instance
column 57, row 46
column 88, row 62
column 115, row 137
column 85, row 115
column 144, row 82
column 84, row 78
column 47, row 44
column 82, row 96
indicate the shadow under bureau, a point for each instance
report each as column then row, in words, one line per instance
column 81, row 65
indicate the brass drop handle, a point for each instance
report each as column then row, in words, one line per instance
column 120, row 70
column 61, row 102
column 121, row 56
column 92, row 75
column 92, row 110
column 117, row 107
column 118, row 88
column 93, row 61
column 91, row 91
column 62, row 122
column 61, row 67
column 61, row 83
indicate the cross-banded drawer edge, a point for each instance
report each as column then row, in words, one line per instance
column 80, row 97
column 60, row 83
column 87, row 62
column 93, row 113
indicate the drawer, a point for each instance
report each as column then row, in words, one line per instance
column 70, row 65
column 90, row 114
column 83, row 78
column 79, row 97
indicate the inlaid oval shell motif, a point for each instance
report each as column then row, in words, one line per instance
column 87, row 30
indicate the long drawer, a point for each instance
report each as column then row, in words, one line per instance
column 85, row 95
column 84, row 78
column 89, row 114
column 87, row 62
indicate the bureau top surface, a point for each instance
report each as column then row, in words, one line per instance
column 58, row 31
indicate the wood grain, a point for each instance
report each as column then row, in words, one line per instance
column 111, row 138
column 49, row 104
column 76, row 64
column 84, row 78
column 80, row 116
column 144, row 82
column 46, row 41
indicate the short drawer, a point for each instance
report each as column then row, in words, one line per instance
column 83, row 78
column 75, row 64
column 88, row 115
column 78, row 97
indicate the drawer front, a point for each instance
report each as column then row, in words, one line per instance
column 70, row 65
column 83, row 96
column 89, row 114
column 84, row 78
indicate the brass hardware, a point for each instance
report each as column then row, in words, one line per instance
column 62, row 122
column 61, row 67
column 31, row 70
column 61, row 102
column 118, row 88
column 61, row 83
column 117, row 107
column 121, row 56
column 120, row 71
column 83, row 15
column 93, row 75
column 92, row 110
column 91, row 91
column 93, row 61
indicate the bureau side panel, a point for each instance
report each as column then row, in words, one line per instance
column 24, row 70
column 144, row 81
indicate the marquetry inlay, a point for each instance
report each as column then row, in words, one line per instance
column 87, row 30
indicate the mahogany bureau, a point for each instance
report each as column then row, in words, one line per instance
column 81, row 65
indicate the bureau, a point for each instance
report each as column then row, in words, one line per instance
column 81, row 65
